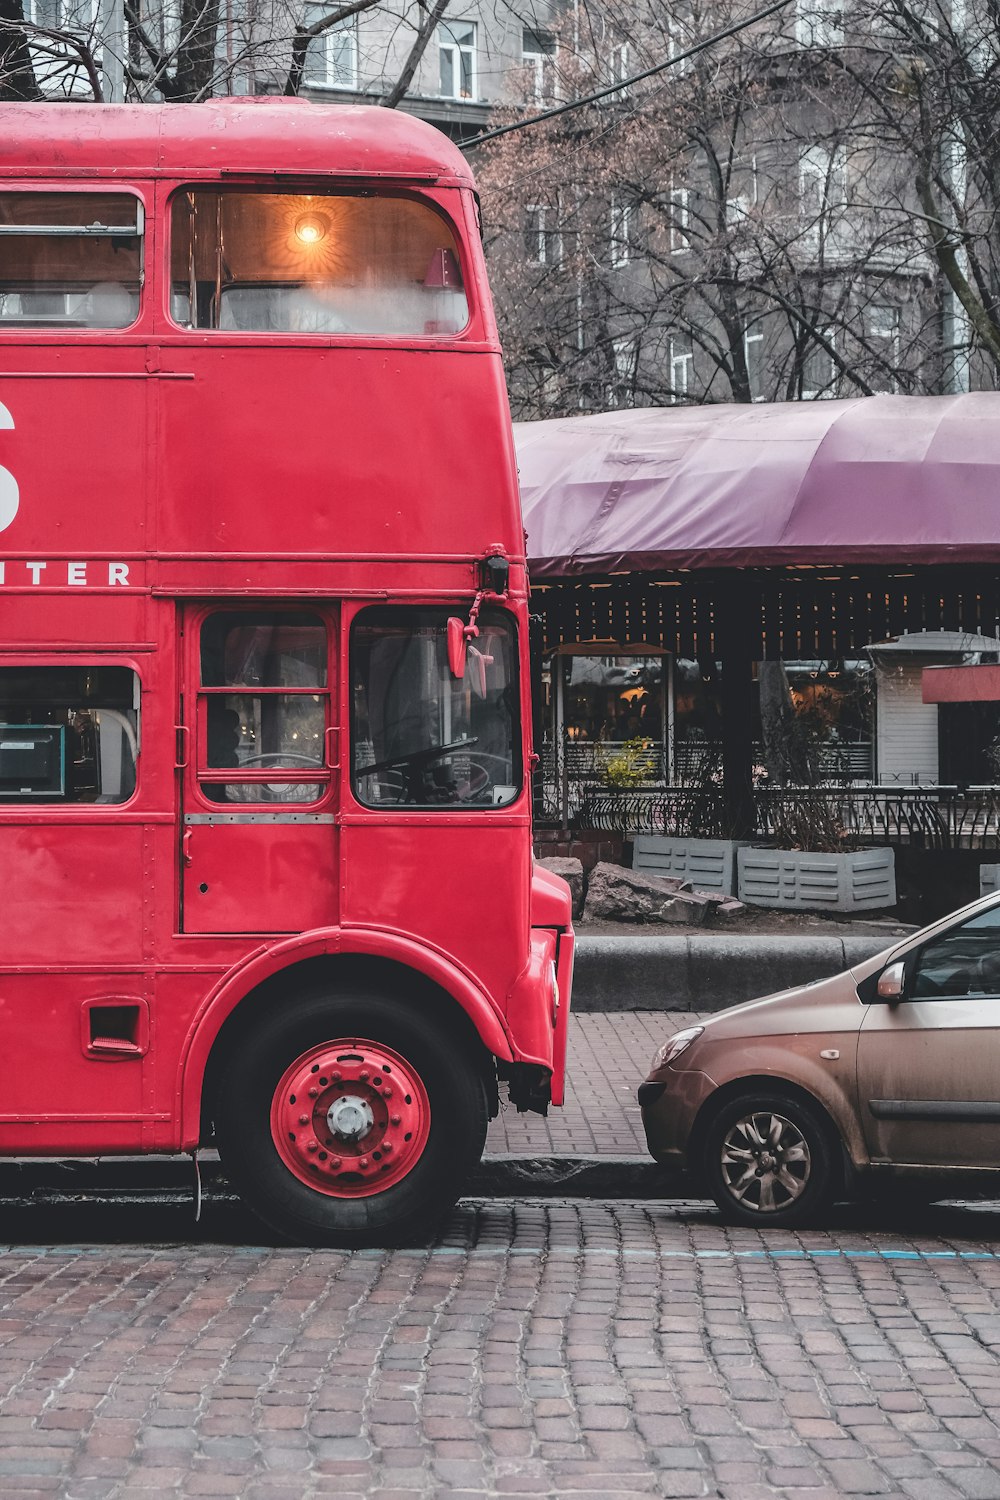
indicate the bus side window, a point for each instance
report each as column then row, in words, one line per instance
column 266, row 706
column 68, row 734
column 70, row 259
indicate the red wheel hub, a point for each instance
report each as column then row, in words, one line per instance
column 350, row 1118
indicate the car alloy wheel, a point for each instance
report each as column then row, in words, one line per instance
column 770, row 1159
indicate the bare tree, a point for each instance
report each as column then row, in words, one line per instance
column 720, row 233
column 187, row 53
column 17, row 73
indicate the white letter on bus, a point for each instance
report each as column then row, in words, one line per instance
column 117, row 573
column 8, row 484
column 35, row 570
column 76, row 572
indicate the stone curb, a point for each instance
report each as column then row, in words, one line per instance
column 149, row 1180
column 706, row 973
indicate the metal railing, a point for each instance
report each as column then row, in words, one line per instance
column 931, row 817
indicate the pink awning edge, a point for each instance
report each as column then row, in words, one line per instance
column 876, row 480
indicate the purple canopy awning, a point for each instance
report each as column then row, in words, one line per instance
column 874, row 480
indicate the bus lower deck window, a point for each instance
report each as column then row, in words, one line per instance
column 68, row 734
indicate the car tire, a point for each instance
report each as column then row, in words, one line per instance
column 769, row 1160
column 351, row 1119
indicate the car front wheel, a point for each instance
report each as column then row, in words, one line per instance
column 769, row 1161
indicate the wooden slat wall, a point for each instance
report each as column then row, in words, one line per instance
column 797, row 614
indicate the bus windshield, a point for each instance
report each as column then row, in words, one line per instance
column 322, row 263
column 420, row 735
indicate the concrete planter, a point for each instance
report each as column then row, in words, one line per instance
column 989, row 879
column 797, row 881
column 709, row 864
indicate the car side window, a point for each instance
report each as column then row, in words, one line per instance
column 964, row 961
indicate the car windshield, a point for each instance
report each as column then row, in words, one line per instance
column 421, row 736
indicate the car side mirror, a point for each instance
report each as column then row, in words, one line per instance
column 890, row 984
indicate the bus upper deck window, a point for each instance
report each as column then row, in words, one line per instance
column 70, row 260
column 313, row 263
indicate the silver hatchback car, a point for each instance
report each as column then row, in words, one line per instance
column 890, row 1069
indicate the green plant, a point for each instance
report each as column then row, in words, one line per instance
column 625, row 766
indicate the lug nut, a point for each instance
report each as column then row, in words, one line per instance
column 335, row 1163
column 336, row 1075
column 312, row 1146
column 364, row 1075
column 386, row 1147
column 363, row 1162
column 395, row 1120
column 303, row 1119
column 314, row 1093
column 387, row 1093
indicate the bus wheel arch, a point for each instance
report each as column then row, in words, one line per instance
column 339, row 974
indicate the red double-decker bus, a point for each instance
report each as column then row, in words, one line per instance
column 265, row 827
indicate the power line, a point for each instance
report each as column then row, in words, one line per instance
column 626, row 83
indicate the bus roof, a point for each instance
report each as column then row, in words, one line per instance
column 232, row 135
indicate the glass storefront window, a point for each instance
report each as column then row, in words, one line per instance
column 421, row 737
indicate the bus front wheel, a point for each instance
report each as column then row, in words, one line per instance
column 350, row 1119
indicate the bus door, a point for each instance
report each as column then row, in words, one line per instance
column 259, row 749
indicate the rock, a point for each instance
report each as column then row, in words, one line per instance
column 620, row 895
column 728, row 908
column 571, row 871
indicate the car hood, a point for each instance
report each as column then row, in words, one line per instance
column 806, row 1008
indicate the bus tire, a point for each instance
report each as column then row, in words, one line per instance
column 350, row 1119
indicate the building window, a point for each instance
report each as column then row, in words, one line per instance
column 681, row 367
column 883, row 341
column 819, row 369
column 679, row 40
column 819, row 23
column 332, row 57
column 753, row 353
column 822, row 186
column 58, row 70
column 538, row 53
column 739, row 206
column 458, row 60
column 624, row 358
column 542, row 240
column 622, row 228
column 679, row 212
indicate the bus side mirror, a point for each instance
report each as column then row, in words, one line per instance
column 890, row 984
column 458, row 646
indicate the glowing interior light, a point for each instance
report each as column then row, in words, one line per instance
column 311, row 228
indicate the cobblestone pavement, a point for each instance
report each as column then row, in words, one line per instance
column 609, row 1056
column 556, row 1349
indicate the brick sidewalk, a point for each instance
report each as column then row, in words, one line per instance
column 609, row 1056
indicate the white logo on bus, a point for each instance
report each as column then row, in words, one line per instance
column 9, row 495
